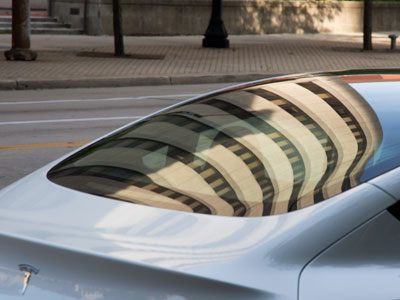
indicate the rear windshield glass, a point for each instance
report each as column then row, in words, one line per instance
column 259, row 151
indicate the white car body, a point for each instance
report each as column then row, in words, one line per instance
column 89, row 247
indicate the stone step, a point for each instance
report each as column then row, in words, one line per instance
column 40, row 25
column 46, row 31
column 8, row 19
column 37, row 25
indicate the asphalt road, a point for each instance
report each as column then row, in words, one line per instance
column 37, row 127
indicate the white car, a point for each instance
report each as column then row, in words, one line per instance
column 285, row 188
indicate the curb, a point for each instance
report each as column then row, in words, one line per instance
column 31, row 84
column 8, row 85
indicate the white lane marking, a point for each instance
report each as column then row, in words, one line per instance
column 158, row 97
column 68, row 120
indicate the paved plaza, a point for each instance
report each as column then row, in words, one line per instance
column 87, row 61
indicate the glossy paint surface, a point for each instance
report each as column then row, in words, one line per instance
column 90, row 247
column 364, row 265
column 389, row 182
column 260, row 256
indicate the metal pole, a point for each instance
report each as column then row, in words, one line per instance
column 216, row 34
column 21, row 43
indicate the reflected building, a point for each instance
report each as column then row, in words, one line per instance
column 262, row 150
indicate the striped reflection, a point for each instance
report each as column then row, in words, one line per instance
column 90, row 176
column 323, row 138
column 224, row 139
column 282, row 141
column 261, row 150
column 201, row 167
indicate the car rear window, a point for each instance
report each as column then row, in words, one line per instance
column 262, row 150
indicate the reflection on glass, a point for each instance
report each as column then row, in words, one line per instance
column 263, row 150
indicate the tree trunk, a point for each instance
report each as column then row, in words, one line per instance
column 21, row 43
column 367, row 25
column 118, row 37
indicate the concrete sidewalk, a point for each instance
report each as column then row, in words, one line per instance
column 180, row 60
